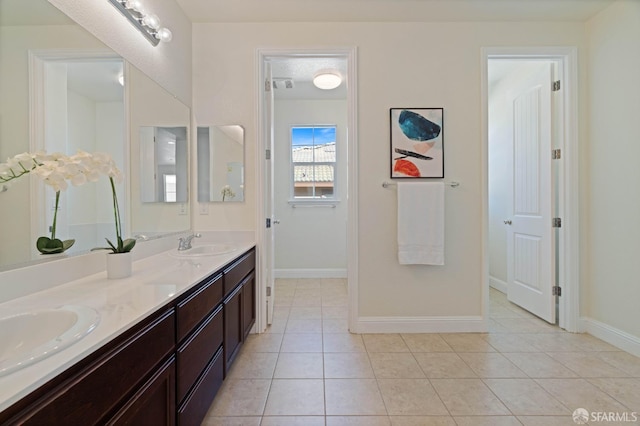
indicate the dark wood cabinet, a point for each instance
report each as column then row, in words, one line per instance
column 165, row 370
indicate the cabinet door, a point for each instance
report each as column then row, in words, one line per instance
column 248, row 303
column 233, row 332
column 155, row 403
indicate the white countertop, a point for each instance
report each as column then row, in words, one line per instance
column 155, row 281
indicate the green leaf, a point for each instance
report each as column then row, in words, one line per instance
column 67, row 243
column 128, row 245
column 115, row 250
column 46, row 245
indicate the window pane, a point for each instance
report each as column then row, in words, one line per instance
column 311, row 149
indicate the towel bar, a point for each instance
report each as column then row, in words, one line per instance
column 451, row 184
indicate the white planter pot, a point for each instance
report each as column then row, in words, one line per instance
column 118, row 265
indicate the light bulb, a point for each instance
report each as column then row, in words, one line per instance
column 164, row 34
column 151, row 21
column 327, row 81
column 136, row 5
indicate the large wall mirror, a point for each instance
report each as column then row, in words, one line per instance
column 63, row 90
column 221, row 163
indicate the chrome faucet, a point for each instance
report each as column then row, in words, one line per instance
column 184, row 243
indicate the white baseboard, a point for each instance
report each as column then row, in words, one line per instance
column 310, row 273
column 471, row 324
column 621, row 339
column 498, row 284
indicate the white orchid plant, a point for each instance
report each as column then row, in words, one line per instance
column 56, row 170
column 227, row 192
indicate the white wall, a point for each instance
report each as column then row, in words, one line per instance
column 399, row 65
column 309, row 238
column 610, row 268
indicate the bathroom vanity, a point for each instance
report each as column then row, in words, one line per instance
column 159, row 367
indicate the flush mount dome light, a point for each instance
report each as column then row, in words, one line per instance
column 327, row 80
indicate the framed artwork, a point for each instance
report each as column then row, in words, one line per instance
column 417, row 144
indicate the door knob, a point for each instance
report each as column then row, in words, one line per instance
column 507, row 222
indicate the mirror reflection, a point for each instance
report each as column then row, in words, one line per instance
column 163, row 164
column 64, row 90
column 221, row 163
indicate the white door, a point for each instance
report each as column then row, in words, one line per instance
column 268, row 191
column 530, row 244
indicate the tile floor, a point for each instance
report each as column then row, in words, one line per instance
column 308, row 370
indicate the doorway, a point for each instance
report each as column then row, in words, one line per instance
column 528, row 116
column 306, row 206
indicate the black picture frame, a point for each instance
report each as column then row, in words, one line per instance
column 417, row 143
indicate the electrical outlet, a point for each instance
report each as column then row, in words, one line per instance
column 204, row 208
column 182, row 210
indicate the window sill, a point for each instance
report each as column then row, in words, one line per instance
column 333, row 203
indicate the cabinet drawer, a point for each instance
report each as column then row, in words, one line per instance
column 195, row 308
column 96, row 392
column 236, row 272
column 197, row 351
column 199, row 400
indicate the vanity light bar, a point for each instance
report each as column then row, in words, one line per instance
column 147, row 23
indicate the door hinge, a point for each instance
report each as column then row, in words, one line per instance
column 267, row 154
column 557, row 222
column 556, row 154
column 556, row 291
column 267, row 86
column 556, row 86
column 268, row 291
column 268, row 222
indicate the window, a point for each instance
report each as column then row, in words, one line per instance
column 313, row 158
column 170, row 188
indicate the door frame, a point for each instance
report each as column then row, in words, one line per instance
column 568, row 180
column 350, row 54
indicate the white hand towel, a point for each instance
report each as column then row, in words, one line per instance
column 421, row 223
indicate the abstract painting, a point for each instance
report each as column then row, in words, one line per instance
column 417, row 149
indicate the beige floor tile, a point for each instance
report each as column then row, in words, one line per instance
column 404, row 397
column 334, row 291
column 304, row 326
column 395, row 365
column 306, row 301
column 444, row 366
column 487, row 421
column 587, row 364
column 305, row 313
column 299, row 365
column 343, row 342
column 525, row 397
column 309, row 283
column 509, row 342
column 292, row 421
column 468, row 397
column 623, row 361
column 422, row 421
column 308, row 292
column 624, row 390
column 420, row 342
column 589, row 343
column 335, row 312
column 384, row 343
column 550, row 342
column 359, row 397
column 335, row 300
column 231, row 421
column 277, row 327
column 504, row 312
column 302, row 342
column 491, row 365
column 358, row 421
column 494, row 327
column 347, row 365
column 283, row 300
column 547, row 420
column 579, row 393
column 295, row 397
column 240, row 398
column 254, row 365
column 281, row 312
column 265, row 342
column 333, row 282
column 288, row 292
column 540, row 365
column 338, row 325
column 468, row 342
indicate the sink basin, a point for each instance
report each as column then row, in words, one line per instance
column 29, row 337
column 205, row 250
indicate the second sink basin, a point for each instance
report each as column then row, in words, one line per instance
column 204, row 250
column 31, row 336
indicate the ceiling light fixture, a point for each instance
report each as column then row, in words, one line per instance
column 147, row 23
column 327, row 80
